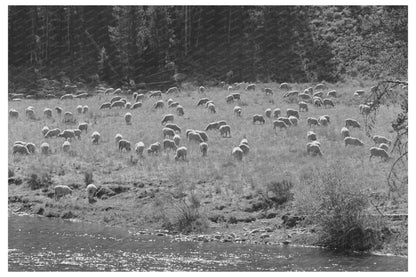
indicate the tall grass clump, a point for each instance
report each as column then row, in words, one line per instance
column 334, row 198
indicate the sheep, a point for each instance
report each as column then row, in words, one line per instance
column 317, row 102
column 45, row 129
column 251, row 87
column 168, row 143
column 208, row 103
column 353, row 141
column 323, row 121
column 168, row 132
column 67, row 96
column 359, row 92
column 201, row 89
column 154, row 148
column 285, row 120
column 30, row 113
column 379, row 152
column 284, row 86
column 20, row 142
column 276, row 113
column 352, row 122
column 365, row 109
column 83, row 126
column 109, row 91
column 221, row 123
column 245, row 148
column 67, row 134
column 174, row 127
column 136, row 105
column 320, row 87
column 319, row 94
column 237, row 111
column 158, row 105
column 52, row 133
column 303, row 106
column 135, row 95
column 139, row 148
column 268, row 113
column 305, row 96
column 115, row 99
column 127, row 105
column 293, row 120
column 345, row 132
column 229, row 88
column 258, row 118
column 106, row 105
column 268, row 91
column 68, row 117
column 194, row 137
column 140, row 97
column 13, row 113
column 169, row 102
column 79, row 109
column 236, row 96
column 312, row 121
column 225, row 130
column 66, row 146
column 237, row 153
column 313, row 148
column 212, row 126
column 211, row 108
column 202, row 101
column 61, row 190
column 95, row 137
column 332, row 93
column 85, row 109
column 124, row 144
column 181, row 153
column 177, row 139
column 117, row 91
column 91, row 190
column 117, row 138
column 327, row 118
column 384, row 146
column 77, row 133
column 203, row 135
column 31, row 147
column 188, row 131
column 291, row 94
column 47, row 112
column 229, row 98
column 172, row 90
column 280, row 124
column 119, row 104
column 174, row 105
column 21, row 149
column 291, row 112
column 167, row 118
column 203, row 147
column 156, row 93
column 44, row 148
column 311, row 136
column 380, row 139
column 244, row 141
column 328, row 102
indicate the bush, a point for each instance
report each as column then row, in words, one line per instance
column 39, row 180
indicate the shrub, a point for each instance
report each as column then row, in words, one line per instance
column 39, row 180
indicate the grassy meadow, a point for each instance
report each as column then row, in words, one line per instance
column 224, row 187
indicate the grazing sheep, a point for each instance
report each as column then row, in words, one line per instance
column 332, row 93
column 61, row 190
column 236, row 96
column 66, row 146
column 313, row 148
column 45, row 129
column 208, row 103
column 359, row 92
column 284, row 86
column 237, row 111
column 327, row 118
column 291, row 94
column 384, row 146
column 291, row 112
column 156, row 93
column 139, row 148
column 317, row 102
column 85, row 109
column 225, row 130
column 68, row 117
column 203, row 147
column 77, row 133
column 311, row 136
column 345, row 132
column 188, row 131
column 13, row 113
column 305, row 97
column 81, row 95
column 251, row 87
column 139, row 97
column 158, row 105
column 244, row 141
column 320, row 87
column 285, row 120
column 229, row 98
column 323, row 121
column 201, row 89
column 179, row 110
column 181, row 153
column 83, row 126
column 245, row 148
column 31, row 147
column 124, row 144
column 47, row 112
column 91, row 190
column 203, row 135
column 168, row 118
column 268, row 91
column 365, row 109
column 303, row 106
column 276, row 113
column 229, row 88
column 352, row 122
column 117, row 138
column 95, row 137
column 173, row 126
column 172, row 90
column 169, row 144
column 154, row 148
column 174, row 105
column 21, row 149
column 379, row 152
column 221, row 123
column 211, row 108
column 312, row 121
column 319, row 94
column 67, row 96
column 119, row 104
column 67, row 134
column 169, row 102
column 117, row 91
column 194, row 137
column 293, row 120
column 79, row 109
column 380, row 139
column 30, row 113
column 202, row 101
column 258, row 118
column 168, row 132
column 135, row 95
column 237, row 153
column 212, row 126
column 127, row 105
column 106, row 105
column 52, row 133
column 279, row 123
column 20, row 142
column 268, row 113
column 44, row 148
column 177, row 139
column 127, row 118
column 115, row 99
column 353, row 141
column 109, row 91
column 136, row 105
column 328, row 102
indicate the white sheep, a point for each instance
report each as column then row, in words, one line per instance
column 332, row 93
column 319, row 94
column 237, row 111
column 21, row 149
column 174, row 127
column 379, row 152
column 52, row 133
column 174, row 105
column 67, row 96
column 106, row 105
column 31, row 147
column 47, row 112
column 384, row 146
column 115, row 99
column 279, row 123
column 251, row 87
column 364, row 109
column 127, row 118
column 258, row 118
column 285, row 120
column 177, row 139
column 109, row 91
column 313, row 148
column 229, row 98
column 311, row 136
column 117, row 91
column 95, row 136
column 291, row 112
column 180, row 110
column 211, row 108
column 136, row 105
column 44, row 148
column 237, row 153
column 79, row 109
column 268, row 113
column 127, row 105
column 244, row 141
column 303, row 106
column 181, row 153
column 116, row 104
column 172, row 90
column 91, row 190
column 194, row 137
column 317, row 102
column 139, row 148
column 140, row 97
column 293, row 120
column 320, row 87
column 225, row 131
column 328, row 102
column 268, row 91
column 169, row 102
column 156, row 93
column 345, row 132
column 68, row 117
column 276, row 113
column 203, row 147
column 154, row 148
column 61, row 190
column 236, row 96
column 117, row 138
column 304, row 96
column 352, row 122
column 66, row 146
column 124, row 144
column 323, row 121
column 77, row 133
column 13, row 113
column 201, row 89
column 83, row 126
column 353, row 141
column 284, row 86
column 327, row 118
column 312, row 121
column 203, row 135
column 168, row 132
column 202, row 101
column 85, row 109
column 168, row 118
column 380, row 139
column 291, row 94
column 158, row 105
column 169, row 144
column 245, row 148
column 67, row 134
column 45, row 129
column 212, row 126
column 30, row 113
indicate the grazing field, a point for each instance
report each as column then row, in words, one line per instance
column 152, row 191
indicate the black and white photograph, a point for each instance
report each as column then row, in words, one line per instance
column 207, row 137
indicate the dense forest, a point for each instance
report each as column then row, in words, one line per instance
column 132, row 45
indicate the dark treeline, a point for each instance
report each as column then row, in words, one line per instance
column 120, row 44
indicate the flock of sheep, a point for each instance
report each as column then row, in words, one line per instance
column 171, row 132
